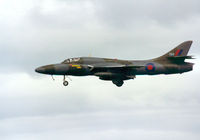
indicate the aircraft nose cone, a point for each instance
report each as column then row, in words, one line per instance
column 47, row 69
column 40, row 70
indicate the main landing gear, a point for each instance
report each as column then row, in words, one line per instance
column 65, row 83
column 118, row 82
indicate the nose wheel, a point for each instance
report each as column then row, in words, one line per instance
column 65, row 83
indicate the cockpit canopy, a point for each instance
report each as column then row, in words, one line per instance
column 71, row 60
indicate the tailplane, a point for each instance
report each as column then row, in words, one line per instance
column 178, row 54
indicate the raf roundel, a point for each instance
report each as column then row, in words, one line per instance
column 150, row 67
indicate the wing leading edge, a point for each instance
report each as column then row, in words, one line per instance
column 113, row 66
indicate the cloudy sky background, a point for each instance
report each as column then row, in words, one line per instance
column 39, row 32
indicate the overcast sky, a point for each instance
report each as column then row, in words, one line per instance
column 40, row 32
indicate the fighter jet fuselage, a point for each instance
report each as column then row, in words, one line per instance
column 119, row 70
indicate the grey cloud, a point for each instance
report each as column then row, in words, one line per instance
column 82, row 28
column 37, row 108
column 104, row 125
column 125, row 13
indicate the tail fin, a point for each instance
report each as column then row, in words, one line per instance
column 177, row 54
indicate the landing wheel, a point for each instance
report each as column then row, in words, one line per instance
column 65, row 83
column 118, row 82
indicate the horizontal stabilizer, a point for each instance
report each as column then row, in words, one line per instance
column 181, row 57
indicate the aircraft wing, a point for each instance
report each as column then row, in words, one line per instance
column 113, row 66
column 110, row 71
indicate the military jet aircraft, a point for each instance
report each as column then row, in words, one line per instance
column 119, row 70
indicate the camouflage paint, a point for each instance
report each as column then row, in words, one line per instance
column 118, row 70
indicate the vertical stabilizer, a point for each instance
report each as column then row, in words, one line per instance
column 180, row 51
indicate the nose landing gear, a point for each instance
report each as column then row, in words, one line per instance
column 65, row 83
